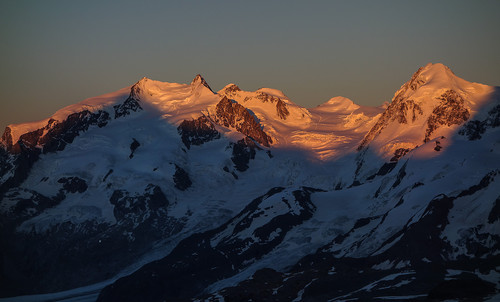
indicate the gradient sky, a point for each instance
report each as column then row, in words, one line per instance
column 56, row 53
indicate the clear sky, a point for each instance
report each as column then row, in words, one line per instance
column 56, row 53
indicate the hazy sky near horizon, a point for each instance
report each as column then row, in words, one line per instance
column 56, row 53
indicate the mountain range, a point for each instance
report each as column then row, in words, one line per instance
column 174, row 192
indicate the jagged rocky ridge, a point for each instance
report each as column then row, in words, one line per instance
column 231, row 114
column 183, row 196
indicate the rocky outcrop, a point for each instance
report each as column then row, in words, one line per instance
column 230, row 91
column 73, row 184
column 202, row 259
column 181, row 179
column 200, row 81
column 265, row 97
column 414, row 263
column 401, row 109
column 243, row 152
column 54, row 137
column 450, row 111
column 131, row 104
column 281, row 110
column 6, row 140
column 233, row 115
column 197, row 132
column 137, row 208
column 133, row 146
column 68, row 254
column 475, row 129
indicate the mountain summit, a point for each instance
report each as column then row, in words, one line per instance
column 433, row 103
column 168, row 191
column 199, row 80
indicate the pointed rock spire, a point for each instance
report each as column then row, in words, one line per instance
column 199, row 80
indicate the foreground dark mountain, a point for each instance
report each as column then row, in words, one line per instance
column 167, row 191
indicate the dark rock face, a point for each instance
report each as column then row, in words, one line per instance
column 397, row 111
column 27, row 204
column 6, row 162
column 19, row 165
column 475, row 129
column 401, row 175
column 181, row 179
column 415, row 263
column 388, row 167
column 197, row 132
column 199, row 80
column 20, row 156
column 243, row 152
column 73, row 184
column 70, row 255
column 7, row 138
column 131, row 104
column 438, row 146
column 415, row 81
column 450, row 111
column 53, row 137
column 133, row 146
column 399, row 153
column 56, row 135
column 408, row 106
column 281, row 110
column 137, row 208
column 400, row 109
column 231, row 114
column 107, row 175
column 231, row 91
column 204, row 258
column 495, row 212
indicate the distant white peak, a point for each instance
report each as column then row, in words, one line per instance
column 436, row 68
column 231, row 86
column 273, row 92
column 199, row 81
column 338, row 103
column 229, row 89
column 436, row 71
column 143, row 82
column 139, row 87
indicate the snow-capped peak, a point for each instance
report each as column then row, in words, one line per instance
column 433, row 103
column 230, row 87
column 432, row 78
column 273, row 92
column 338, row 103
column 199, row 81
